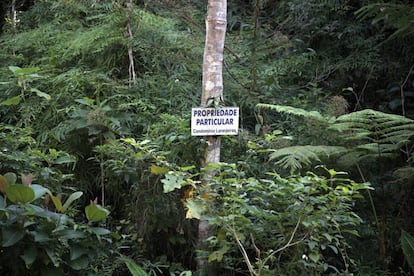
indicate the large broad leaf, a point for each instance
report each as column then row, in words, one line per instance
column 95, row 212
column 20, row 193
column 135, row 269
column 11, row 235
column 172, row 181
column 407, row 245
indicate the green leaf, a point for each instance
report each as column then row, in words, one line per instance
column 11, row 178
column 135, row 269
column 20, row 194
column 56, row 201
column 40, row 236
column 41, row 94
column 52, row 256
column 79, row 263
column 86, row 101
column 218, row 255
column 95, row 212
column 172, row 181
column 72, row 198
column 39, row 190
column 11, row 101
column 194, row 209
column 24, row 71
column 14, row 68
column 71, row 234
column 157, row 170
column 100, row 231
column 314, row 256
column 29, row 255
column 76, row 251
column 11, row 235
column 407, row 245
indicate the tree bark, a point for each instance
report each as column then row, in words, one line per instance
column 212, row 87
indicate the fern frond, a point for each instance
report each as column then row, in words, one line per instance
column 293, row 158
column 291, row 111
column 391, row 15
column 387, row 131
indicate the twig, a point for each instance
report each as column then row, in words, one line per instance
column 287, row 245
column 244, row 253
column 402, row 90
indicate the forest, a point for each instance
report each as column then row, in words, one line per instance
column 101, row 175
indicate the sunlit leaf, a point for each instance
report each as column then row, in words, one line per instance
column 39, row 190
column 41, row 94
column 56, row 201
column 95, row 212
column 11, row 101
column 71, row 199
column 158, row 170
column 172, row 181
column 194, row 209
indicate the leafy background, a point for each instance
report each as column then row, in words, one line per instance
column 324, row 87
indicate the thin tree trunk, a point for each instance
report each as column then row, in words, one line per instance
column 131, row 67
column 216, row 23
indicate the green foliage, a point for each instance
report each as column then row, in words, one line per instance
column 407, row 245
column 362, row 135
column 392, row 15
column 36, row 240
column 70, row 116
column 294, row 157
column 282, row 226
column 135, row 269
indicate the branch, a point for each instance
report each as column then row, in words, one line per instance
column 244, row 253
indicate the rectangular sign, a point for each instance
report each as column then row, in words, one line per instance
column 212, row 121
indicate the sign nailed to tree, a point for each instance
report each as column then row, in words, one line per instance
column 212, row 121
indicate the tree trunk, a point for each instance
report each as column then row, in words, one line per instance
column 216, row 23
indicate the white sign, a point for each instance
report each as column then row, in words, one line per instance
column 212, row 121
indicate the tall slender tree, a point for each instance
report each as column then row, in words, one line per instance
column 212, row 88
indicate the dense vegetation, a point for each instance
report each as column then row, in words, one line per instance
column 95, row 100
